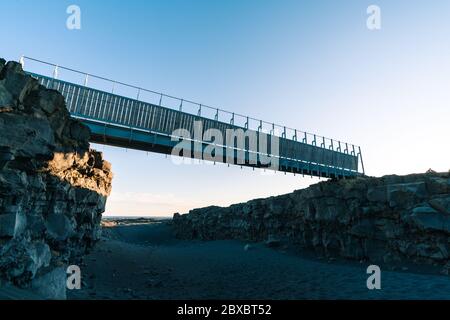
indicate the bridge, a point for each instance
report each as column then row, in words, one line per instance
column 132, row 117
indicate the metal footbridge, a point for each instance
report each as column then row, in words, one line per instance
column 128, row 116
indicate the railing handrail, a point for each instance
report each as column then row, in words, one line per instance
column 201, row 105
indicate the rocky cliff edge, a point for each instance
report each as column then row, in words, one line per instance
column 53, row 187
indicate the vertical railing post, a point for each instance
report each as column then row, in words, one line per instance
column 83, row 100
column 258, row 156
column 362, row 163
column 216, row 117
column 22, row 61
column 55, row 72
column 55, row 76
column 180, row 108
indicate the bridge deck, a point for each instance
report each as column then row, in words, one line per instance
column 130, row 123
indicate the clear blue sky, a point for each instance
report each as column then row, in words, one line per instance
column 312, row 65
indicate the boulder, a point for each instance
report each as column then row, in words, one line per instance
column 377, row 194
column 438, row 185
column 427, row 218
column 50, row 101
column 59, row 226
column 406, row 193
column 20, row 259
column 440, row 204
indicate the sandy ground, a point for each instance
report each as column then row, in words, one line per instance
column 145, row 261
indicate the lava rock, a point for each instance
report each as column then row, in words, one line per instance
column 53, row 187
column 382, row 220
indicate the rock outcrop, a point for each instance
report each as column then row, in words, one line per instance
column 53, row 188
column 383, row 220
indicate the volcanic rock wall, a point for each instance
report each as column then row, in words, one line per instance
column 384, row 220
column 53, row 188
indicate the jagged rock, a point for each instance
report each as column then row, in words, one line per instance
column 364, row 229
column 438, row 185
column 79, row 132
column 59, row 226
column 441, row 204
column 384, row 220
column 49, row 101
column 21, row 258
column 377, row 194
column 53, row 187
column 427, row 218
column 14, row 81
column 405, row 194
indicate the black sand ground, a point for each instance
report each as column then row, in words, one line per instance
column 145, row 261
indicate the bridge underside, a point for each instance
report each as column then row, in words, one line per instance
column 118, row 136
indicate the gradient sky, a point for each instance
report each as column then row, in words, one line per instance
column 312, row 65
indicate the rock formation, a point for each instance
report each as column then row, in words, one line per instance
column 383, row 220
column 53, row 188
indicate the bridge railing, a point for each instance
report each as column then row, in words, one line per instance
column 179, row 104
